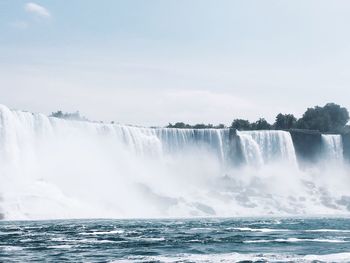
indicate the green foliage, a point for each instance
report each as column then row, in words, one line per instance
column 182, row 125
column 58, row 114
column 203, row 126
column 245, row 125
column 220, row 126
column 285, row 122
column 330, row 118
column 75, row 116
column 261, row 124
column 242, row 125
column 179, row 125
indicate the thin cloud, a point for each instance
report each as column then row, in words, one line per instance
column 20, row 24
column 37, row 10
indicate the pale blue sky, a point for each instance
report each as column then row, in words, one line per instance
column 152, row 62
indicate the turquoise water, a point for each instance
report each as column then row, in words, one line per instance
column 190, row 240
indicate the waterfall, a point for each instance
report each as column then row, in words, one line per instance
column 46, row 161
column 266, row 146
column 55, row 168
column 23, row 129
column 332, row 147
column 251, row 150
column 175, row 140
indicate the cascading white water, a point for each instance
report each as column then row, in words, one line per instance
column 54, row 168
column 67, row 157
column 332, row 147
column 175, row 140
column 250, row 149
column 266, row 146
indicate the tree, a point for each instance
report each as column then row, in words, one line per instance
column 241, row 124
column 74, row 116
column 285, row 122
column 57, row 114
column 220, row 126
column 182, row 125
column 330, row 118
column 179, row 125
column 202, row 126
column 261, row 124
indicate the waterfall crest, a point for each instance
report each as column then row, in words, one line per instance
column 266, row 146
column 333, row 147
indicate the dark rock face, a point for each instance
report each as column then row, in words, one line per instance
column 346, row 145
column 307, row 144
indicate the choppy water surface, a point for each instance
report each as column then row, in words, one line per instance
column 192, row 240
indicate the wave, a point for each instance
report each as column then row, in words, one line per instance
column 292, row 240
column 266, row 230
column 238, row 257
column 120, row 231
column 328, row 230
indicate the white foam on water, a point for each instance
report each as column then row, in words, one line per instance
column 293, row 240
column 266, row 230
column 328, row 230
column 117, row 231
column 10, row 248
column 237, row 257
column 61, row 247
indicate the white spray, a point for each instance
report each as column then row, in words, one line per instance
column 54, row 168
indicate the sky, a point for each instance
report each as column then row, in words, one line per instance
column 158, row 61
